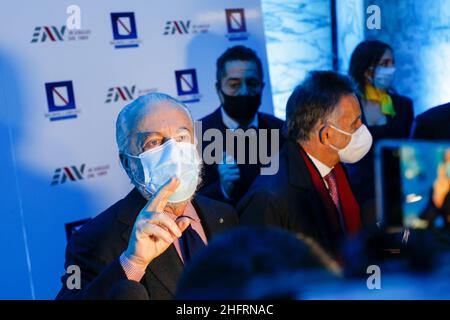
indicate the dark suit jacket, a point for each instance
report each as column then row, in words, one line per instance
column 288, row 200
column 211, row 185
column 97, row 246
column 433, row 124
column 398, row 127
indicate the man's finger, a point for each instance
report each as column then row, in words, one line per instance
column 232, row 177
column 224, row 166
column 229, row 171
column 183, row 223
column 162, row 220
column 158, row 201
column 228, row 159
column 232, row 170
column 156, row 231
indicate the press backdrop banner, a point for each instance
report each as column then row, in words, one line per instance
column 60, row 93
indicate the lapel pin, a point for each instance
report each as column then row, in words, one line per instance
column 221, row 220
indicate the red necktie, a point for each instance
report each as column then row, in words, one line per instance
column 330, row 178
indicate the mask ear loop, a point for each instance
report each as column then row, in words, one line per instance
column 341, row 131
column 337, row 129
column 142, row 184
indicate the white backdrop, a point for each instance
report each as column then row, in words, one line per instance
column 60, row 93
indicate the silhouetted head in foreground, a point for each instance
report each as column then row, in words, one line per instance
column 232, row 261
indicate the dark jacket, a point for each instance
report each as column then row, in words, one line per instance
column 398, row 127
column 433, row 124
column 211, row 184
column 97, row 246
column 288, row 200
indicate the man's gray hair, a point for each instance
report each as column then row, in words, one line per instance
column 132, row 109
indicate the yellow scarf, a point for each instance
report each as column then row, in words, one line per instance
column 373, row 94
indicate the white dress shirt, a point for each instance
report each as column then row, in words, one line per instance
column 323, row 169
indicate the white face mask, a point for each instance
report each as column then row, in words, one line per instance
column 383, row 77
column 357, row 148
column 158, row 165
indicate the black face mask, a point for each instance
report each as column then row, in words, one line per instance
column 241, row 108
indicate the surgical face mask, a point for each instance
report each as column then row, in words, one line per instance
column 357, row 148
column 158, row 165
column 383, row 77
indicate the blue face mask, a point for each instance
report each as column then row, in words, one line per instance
column 383, row 77
column 158, row 165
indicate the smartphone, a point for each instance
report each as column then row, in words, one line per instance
column 406, row 175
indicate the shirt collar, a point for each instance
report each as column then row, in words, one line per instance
column 323, row 169
column 230, row 123
column 189, row 212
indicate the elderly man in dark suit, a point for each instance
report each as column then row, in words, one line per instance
column 136, row 249
column 311, row 193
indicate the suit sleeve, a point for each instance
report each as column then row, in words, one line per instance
column 261, row 208
column 98, row 277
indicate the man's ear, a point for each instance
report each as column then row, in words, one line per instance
column 324, row 135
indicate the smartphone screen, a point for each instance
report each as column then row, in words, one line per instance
column 411, row 178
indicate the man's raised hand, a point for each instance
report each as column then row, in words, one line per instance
column 154, row 231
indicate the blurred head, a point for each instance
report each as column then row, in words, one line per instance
column 239, row 83
column 149, row 123
column 323, row 114
column 372, row 62
column 225, row 268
